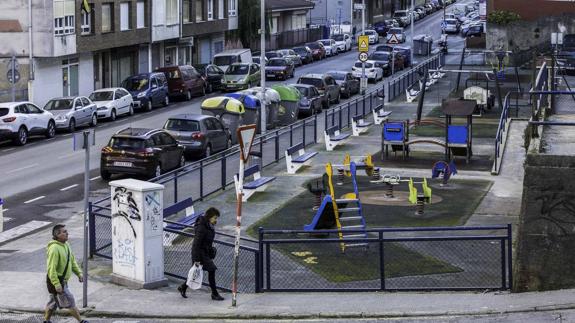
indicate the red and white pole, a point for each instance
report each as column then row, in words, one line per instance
column 240, row 195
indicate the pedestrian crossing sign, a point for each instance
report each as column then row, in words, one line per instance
column 393, row 39
column 363, row 43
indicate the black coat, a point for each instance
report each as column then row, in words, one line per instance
column 202, row 245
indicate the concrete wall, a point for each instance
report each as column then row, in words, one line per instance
column 546, row 236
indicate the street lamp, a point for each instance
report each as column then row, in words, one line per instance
column 412, row 22
column 263, row 114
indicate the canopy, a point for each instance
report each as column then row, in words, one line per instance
column 249, row 101
column 229, row 105
column 272, row 96
column 287, row 93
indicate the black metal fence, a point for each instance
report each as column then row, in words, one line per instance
column 397, row 86
column 342, row 115
column 395, row 259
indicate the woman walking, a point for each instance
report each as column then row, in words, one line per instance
column 203, row 251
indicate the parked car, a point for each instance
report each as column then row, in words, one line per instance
column 291, row 55
column 280, row 68
column 311, row 101
column 383, row 27
column 228, row 57
column 241, row 76
column 395, row 35
column 472, row 30
column 343, row 42
column 421, row 12
column 402, row 17
column 184, row 81
column 213, row 76
column 139, row 151
column 385, row 60
column 273, row 54
column 325, row 84
column 19, row 120
column 372, row 72
column 372, row 34
column 257, row 60
column 70, row 112
column 147, row 90
column 200, row 135
column 317, row 50
column 451, row 26
column 349, row 84
column 112, row 102
column 305, row 54
column 330, row 47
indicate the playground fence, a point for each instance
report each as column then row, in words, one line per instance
column 396, row 259
column 397, row 86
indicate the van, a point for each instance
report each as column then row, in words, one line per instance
column 183, row 81
column 147, row 90
column 228, row 57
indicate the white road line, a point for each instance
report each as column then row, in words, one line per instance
column 21, row 168
column 5, row 210
column 6, row 150
column 94, row 178
column 35, row 199
column 7, row 219
column 68, row 187
column 67, row 155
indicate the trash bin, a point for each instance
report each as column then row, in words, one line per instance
column 229, row 110
column 289, row 106
column 422, row 44
column 252, row 106
column 272, row 102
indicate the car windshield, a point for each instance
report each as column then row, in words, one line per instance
column 313, row 45
column 380, row 56
column 225, row 60
column 182, row 125
column 127, row 143
column 200, row 68
column 303, row 90
column 395, row 31
column 136, row 83
column 338, row 37
column 358, row 65
column 284, row 52
column 102, row 96
column 370, row 32
column 59, row 104
column 272, row 55
column 400, row 14
column 238, row 69
column 450, row 22
column 300, row 50
column 383, row 48
column 340, row 76
column 311, row 81
column 326, row 42
column 277, row 62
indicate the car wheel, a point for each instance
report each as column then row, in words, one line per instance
column 94, row 121
column 229, row 143
column 166, row 101
column 182, row 161
column 105, row 175
column 208, row 151
column 149, row 105
column 131, row 111
column 328, row 100
column 338, row 98
column 189, row 95
column 22, row 136
column 72, row 125
column 157, row 171
column 51, row 129
column 113, row 115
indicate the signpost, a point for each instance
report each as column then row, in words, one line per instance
column 363, row 47
column 246, row 136
column 13, row 76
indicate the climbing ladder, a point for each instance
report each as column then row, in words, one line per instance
column 350, row 217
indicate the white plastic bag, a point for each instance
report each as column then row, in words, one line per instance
column 195, row 276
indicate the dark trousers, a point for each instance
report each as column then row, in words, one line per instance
column 211, row 280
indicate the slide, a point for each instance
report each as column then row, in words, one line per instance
column 324, row 218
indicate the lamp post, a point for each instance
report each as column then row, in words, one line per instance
column 263, row 114
column 412, row 22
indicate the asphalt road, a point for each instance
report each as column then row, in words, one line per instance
column 43, row 173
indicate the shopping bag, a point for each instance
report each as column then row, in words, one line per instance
column 195, row 276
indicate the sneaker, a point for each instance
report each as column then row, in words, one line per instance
column 217, row 297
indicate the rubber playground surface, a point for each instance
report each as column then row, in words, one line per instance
column 425, row 159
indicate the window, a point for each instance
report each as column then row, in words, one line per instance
column 232, row 12
column 33, row 109
column 85, row 101
column 221, row 9
column 199, row 10
column 86, row 26
column 186, row 10
column 210, row 9
column 64, row 19
column 140, row 14
column 274, row 26
column 171, row 12
column 78, row 103
column 107, row 17
column 124, row 16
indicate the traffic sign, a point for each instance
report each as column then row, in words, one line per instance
column 12, row 63
column 363, row 42
column 363, row 56
column 16, row 76
column 246, row 136
column 443, row 25
column 393, row 39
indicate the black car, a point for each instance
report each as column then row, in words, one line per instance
column 385, row 60
column 139, row 151
column 280, row 68
column 213, row 76
column 273, row 54
column 304, row 53
column 200, row 135
column 348, row 83
column 311, row 100
column 383, row 26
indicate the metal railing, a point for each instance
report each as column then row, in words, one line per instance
column 394, row 259
column 397, row 86
column 342, row 115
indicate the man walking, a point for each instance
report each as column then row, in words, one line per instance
column 60, row 263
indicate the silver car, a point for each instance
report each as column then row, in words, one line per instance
column 293, row 56
column 70, row 112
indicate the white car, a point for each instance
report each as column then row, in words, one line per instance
column 70, row 112
column 330, row 47
column 112, row 102
column 450, row 25
column 373, row 73
column 343, row 42
column 18, row 120
column 372, row 34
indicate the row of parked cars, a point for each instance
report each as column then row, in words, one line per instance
column 464, row 20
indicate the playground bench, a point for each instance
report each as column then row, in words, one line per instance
column 380, row 115
column 359, row 125
column 333, row 137
column 187, row 220
column 258, row 184
column 303, row 158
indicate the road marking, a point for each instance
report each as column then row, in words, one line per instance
column 94, row 178
column 21, row 168
column 5, row 210
column 5, row 150
column 68, row 187
column 67, row 155
column 7, row 219
column 35, row 199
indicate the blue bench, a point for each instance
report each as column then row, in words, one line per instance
column 303, row 158
column 333, row 137
column 359, row 125
column 187, row 220
column 258, row 184
column 380, row 115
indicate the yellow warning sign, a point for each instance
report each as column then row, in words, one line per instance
column 363, row 43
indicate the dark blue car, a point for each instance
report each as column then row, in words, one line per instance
column 147, row 90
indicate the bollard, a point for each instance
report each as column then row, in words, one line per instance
column 419, row 207
column 340, row 176
column 389, row 192
column 375, row 176
column 1, row 215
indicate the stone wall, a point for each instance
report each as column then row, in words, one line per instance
column 545, row 251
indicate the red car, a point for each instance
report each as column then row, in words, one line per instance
column 317, row 50
column 184, row 81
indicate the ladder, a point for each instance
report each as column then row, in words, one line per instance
column 350, row 217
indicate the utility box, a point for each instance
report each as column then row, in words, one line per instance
column 422, row 44
column 137, row 234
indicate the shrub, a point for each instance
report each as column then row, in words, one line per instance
column 503, row 17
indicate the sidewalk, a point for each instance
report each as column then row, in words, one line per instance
column 22, row 262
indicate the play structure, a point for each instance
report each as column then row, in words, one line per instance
column 361, row 162
column 345, row 213
column 443, row 168
column 457, row 140
column 419, row 197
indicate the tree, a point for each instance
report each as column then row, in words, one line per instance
column 249, row 22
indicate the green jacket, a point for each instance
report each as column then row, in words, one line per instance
column 57, row 253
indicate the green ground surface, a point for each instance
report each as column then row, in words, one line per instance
column 426, row 160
